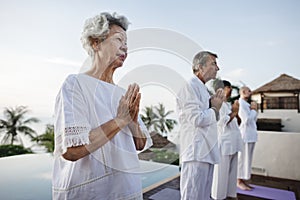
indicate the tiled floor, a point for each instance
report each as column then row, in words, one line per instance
column 278, row 183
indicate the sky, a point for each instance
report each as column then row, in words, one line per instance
column 256, row 41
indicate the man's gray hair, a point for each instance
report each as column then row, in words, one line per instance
column 98, row 28
column 201, row 59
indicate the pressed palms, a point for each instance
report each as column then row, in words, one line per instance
column 47, row 138
column 16, row 124
column 164, row 125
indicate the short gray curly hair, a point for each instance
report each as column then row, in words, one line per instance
column 201, row 59
column 98, row 26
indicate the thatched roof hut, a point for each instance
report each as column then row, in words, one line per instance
column 159, row 142
column 284, row 83
column 282, row 92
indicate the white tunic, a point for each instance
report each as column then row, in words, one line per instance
column 83, row 104
column 198, row 125
column 248, row 125
column 230, row 140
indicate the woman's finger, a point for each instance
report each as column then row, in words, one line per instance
column 128, row 91
column 137, row 100
column 135, row 91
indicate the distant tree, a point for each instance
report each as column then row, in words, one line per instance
column 47, row 138
column 16, row 124
column 149, row 118
column 156, row 119
column 164, row 124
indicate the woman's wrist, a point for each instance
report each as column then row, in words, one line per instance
column 121, row 122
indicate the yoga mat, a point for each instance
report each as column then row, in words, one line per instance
column 268, row 193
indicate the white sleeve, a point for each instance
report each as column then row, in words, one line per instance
column 194, row 110
column 224, row 117
column 246, row 114
column 71, row 124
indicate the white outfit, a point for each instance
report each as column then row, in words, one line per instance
column 198, row 138
column 230, row 143
column 248, row 125
column 245, row 161
column 196, row 179
column 249, row 135
column 84, row 103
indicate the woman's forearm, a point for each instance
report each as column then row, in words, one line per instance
column 98, row 137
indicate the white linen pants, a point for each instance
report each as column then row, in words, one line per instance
column 224, row 177
column 245, row 161
column 196, row 180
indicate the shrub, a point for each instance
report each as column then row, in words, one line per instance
column 164, row 156
column 11, row 150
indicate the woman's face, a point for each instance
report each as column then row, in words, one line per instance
column 227, row 91
column 114, row 48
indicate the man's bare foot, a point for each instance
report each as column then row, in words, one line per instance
column 248, row 185
column 242, row 185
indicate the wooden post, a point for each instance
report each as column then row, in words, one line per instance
column 262, row 102
column 297, row 95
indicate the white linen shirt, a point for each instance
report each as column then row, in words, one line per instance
column 198, row 124
column 83, row 104
column 230, row 140
column 248, row 125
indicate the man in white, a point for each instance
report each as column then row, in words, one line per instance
column 198, row 114
column 248, row 115
column 230, row 143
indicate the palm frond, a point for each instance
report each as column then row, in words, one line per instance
column 14, row 124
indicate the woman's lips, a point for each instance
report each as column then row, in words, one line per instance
column 122, row 57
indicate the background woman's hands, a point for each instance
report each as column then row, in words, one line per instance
column 217, row 99
column 235, row 107
column 253, row 105
column 129, row 104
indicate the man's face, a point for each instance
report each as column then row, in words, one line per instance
column 247, row 93
column 211, row 68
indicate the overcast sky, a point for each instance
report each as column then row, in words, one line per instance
column 256, row 41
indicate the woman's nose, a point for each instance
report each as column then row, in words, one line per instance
column 124, row 47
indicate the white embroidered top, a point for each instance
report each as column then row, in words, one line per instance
column 84, row 103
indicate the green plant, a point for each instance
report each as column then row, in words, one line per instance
column 156, row 118
column 164, row 124
column 11, row 150
column 164, row 156
column 47, row 138
column 149, row 118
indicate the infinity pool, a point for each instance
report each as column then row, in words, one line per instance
column 29, row 176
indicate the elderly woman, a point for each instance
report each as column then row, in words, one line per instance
column 97, row 127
